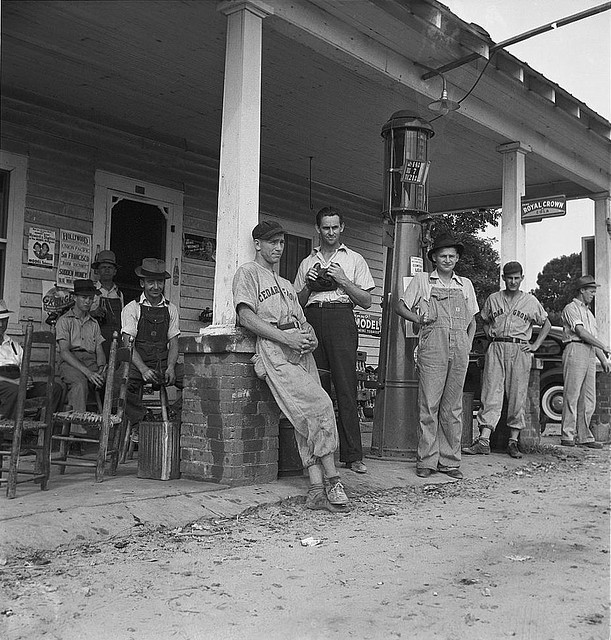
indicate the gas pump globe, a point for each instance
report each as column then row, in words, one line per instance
column 406, row 165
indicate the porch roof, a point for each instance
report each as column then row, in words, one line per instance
column 333, row 73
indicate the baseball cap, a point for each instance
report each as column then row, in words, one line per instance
column 267, row 229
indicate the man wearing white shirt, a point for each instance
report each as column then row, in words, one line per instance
column 330, row 282
column 153, row 323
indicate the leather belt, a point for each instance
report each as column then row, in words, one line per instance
column 287, row 325
column 513, row 340
column 331, row 305
column 580, row 342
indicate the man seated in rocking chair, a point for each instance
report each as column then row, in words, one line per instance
column 11, row 357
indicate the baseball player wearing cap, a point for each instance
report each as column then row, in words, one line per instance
column 107, row 307
column 153, row 323
column 79, row 339
column 267, row 305
column 579, row 365
column 444, row 305
column 508, row 316
column 346, row 282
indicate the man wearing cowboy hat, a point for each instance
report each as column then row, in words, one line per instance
column 79, row 340
column 107, row 307
column 579, row 365
column 11, row 357
column 153, row 323
column 444, row 305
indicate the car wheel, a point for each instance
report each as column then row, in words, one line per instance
column 552, row 400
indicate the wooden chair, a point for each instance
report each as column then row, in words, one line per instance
column 32, row 415
column 110, row 422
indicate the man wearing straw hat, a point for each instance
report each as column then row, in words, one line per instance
column 79, row 339
column 11, row 357
column 579, row 365
column 153, row 323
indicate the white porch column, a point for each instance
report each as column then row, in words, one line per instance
column 513, row 234
column 238, row 201
column 602, row 264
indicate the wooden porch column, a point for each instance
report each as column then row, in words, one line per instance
column 513, row 236
column 602, row 253
column 238, row 200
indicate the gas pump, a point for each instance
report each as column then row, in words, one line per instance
column 406, row 165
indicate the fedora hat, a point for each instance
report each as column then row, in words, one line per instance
column 152, row 268
column 585, row 281
column 443, row 241
column 104, row 256
column 4, row 310
column 84, row 288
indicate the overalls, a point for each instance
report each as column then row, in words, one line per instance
column 443, row 357
column 152, row 345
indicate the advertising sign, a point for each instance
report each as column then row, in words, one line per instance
column 74, row 257
column 368, row 324
column 41, row 247
column 536, row 210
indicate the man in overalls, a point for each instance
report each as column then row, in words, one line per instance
column 107, row 307
column 444, row 305
column 152, row 321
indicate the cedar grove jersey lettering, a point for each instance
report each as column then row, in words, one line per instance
column 512, row 318
column 274, row 291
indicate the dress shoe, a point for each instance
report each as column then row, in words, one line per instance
column 567, row 443
column 512, row 449
column 591, row 445
column 453, row 472
column 424, row 472
column 358, row 466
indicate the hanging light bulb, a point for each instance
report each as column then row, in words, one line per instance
column 443, row 106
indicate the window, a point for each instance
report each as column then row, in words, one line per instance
column 4, row 191
column 296, row 249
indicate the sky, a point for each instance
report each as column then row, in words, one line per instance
column 578, row 58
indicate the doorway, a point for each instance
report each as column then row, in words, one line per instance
column 137, row 231
column 137, row 220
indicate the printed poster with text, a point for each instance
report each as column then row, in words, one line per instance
column 74, row 257
column 41, row 247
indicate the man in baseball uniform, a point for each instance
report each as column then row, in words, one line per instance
column 267, row 305
column 579, row 365
column 330, row 282
column 509, row 316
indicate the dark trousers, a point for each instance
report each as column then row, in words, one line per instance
column 134, row 406
column 335, row 358
column 8, row 396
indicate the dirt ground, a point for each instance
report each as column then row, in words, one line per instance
column 522, row 554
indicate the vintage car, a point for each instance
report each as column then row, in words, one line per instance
column 550, row 354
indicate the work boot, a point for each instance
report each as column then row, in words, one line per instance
column 480, row 446
column 318, row 501
column 512, row 449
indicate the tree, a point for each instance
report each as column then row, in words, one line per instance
column 480, row 261
column 555, row 284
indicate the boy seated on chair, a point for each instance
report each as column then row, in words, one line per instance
column 11, row 357
column 152, row 322
column 79, row 340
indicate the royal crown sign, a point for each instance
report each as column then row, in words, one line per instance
column 536, row 210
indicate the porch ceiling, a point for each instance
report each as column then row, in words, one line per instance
column 157, row 67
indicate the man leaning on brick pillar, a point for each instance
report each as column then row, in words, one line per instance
column 267, row 305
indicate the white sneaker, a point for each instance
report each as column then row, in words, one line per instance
column 336, row 494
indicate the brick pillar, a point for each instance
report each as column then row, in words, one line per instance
column 601, row 420
column 229, row 428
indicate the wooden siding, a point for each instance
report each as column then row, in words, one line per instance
column 64, row 153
